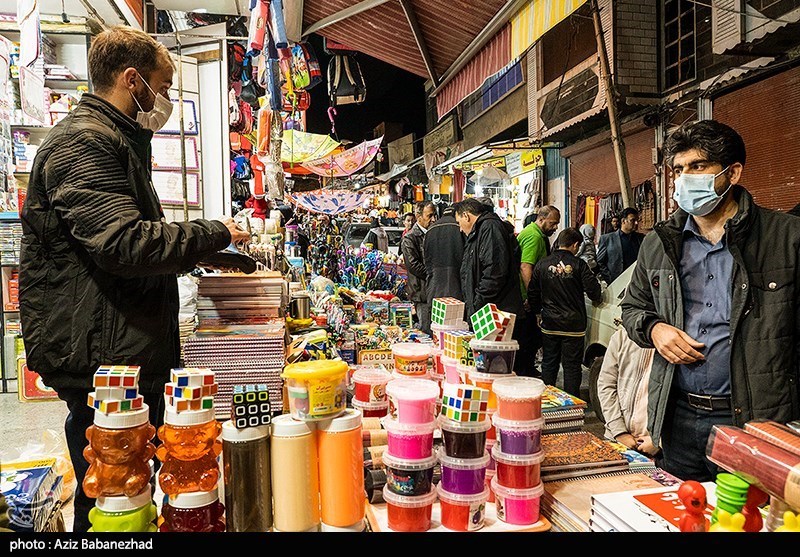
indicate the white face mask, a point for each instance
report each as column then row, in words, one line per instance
column 696, row 194
column 155, row 119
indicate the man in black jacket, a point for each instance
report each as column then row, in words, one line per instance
column 444, row 252
column 555, row 292
column 618, row 250
column 98, row 263
column 490, row 268
column 411, row 246
column 716, row 291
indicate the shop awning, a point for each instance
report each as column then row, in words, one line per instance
column 490, row 151
column 399, row 170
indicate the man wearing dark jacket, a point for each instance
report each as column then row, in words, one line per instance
column 490, row 268
column 555, row 292
column 98, row 263
column 444, row 252
column 716, row 292
column 616, row 251
column 411, row 246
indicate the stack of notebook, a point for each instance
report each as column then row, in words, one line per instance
column 562, row 411
column 225, row 299
column 579, row 453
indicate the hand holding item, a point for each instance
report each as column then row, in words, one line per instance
column 237, row 234
column 675, row 345
column 628, row 440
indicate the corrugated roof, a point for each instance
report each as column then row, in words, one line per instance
column 383, row 32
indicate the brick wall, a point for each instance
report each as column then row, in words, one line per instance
column 636, row 48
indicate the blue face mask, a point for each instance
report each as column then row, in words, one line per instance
column 695, row 193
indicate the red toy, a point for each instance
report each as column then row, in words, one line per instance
column 755, row 498
column 693, row 496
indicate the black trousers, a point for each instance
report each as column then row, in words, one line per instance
column 563, row 351
column 529, row 336
column 79, row 419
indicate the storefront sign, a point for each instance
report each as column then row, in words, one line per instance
column 523, row 161
column 401, row 150
column 498, row 162
column 441, row 136
column 375, row 357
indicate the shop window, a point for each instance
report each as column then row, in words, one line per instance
column 679, row 42
column 492, row 91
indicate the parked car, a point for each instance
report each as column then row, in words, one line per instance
column 602, row 320
column 355, row 232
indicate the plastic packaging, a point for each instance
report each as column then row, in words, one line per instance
column 371, row 409
column 341, row 461
column 494, row 356
column 198, row 511
column 437, row 331
column 125, row 514
column 463, row 513
column 517, row 471
column 463, row 439
column 409, row 441
column 463, row 476
column 519, row 398
column 411, row 358
column 317, row 389
column 518, row 437
column 369, row 384
column 246, row 476
column 408, row 514
column 189, row 449
column 409, row 477
column 484, row 381
column 517, row 506
column 450, row 367
column 413, row 400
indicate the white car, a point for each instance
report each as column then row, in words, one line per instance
column 602, row 320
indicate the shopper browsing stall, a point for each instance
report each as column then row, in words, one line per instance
column 414, row 257
column 98, row 262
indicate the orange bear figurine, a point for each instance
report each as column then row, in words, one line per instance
column 189, row 455
column 693, row 496
column 118, row 460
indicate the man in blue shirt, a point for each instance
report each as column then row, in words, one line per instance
column 716, row 292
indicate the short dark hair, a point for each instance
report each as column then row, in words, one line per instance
column 420, row 207
column 568, row 237
column 121, row 47
column 545, row 211
column 717, row 141
column 472, row 206
column 408, row 215
column 628, row 211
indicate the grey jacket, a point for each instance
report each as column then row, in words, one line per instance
column 411, row 246
column 765, row 310
column 609, row 254
column 588, row 250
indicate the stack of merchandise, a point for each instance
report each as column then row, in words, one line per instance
column 188, row 453
column 369, row 390
column 447, row 315
column 232, row 301
column 579, row 453
column 120, row 453
column 517, row 485
column 317, row 456
column 409, row 460
column 464, row 491
column 10, row 239
column 562, row 411
column 32, row 490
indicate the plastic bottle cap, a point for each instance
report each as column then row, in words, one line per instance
column 407, row 463
column 315, row 369
column 462, row 499
column 122, row 420
column 408, row 501
column 194, row 500
column 447, row 424
column 231, row 433
column 188, row 417
column 286, row 426
column 494, row 345
column 518, row 387
column 462, row 463
column 512, row 493
column 517, row 459
column 350, row 419
column 122, row 503
column 517, row 425
column 412, row 389
column 413, row 350
column 371, row 375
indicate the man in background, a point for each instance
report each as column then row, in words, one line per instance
column 376, row 236
column 413, row 250
column 443, row 250
column 98, row 262
column 408, row 222
column 534, row 242
column 618, row 250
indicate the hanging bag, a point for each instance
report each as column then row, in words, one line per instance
column 345, row 81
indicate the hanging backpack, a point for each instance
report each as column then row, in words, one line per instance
column 345, row 81
column 306, row 72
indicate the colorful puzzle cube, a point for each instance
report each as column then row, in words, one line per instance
column 251, row 406
column 192, row 376
column 489, row 323
column 114, row 406
column 456, row 344
column 447, row 311
column 184, row 405
column 115, row 393
column 464, row 403
column 116, row 376
column 187, row 393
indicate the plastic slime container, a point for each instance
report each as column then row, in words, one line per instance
column 464, row 439
column 484, row 381
column 412, row 400
column 490, row 474
column 464, row 513
column 517, row 471
column 518, row 438
column 372, row 409
column 408, row 514
column 411, row 358
column 491, row 433
column 494, row 356
column 436, row 354
column 450, row 366
column 369, row 384
column 437, row 331
column 409, row 441
column 317, row 389
column 519, row 398
column 409, row 477
column 463, row 476
column 517, row 506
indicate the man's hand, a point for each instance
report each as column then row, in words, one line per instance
column 627, row 439
column 237, row 234
column 675, row 345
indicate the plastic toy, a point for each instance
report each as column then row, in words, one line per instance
column 693, row 496
column 754, row 522
column 727, row 522
column 791, row 523
column 189, row 457
column 118, row 460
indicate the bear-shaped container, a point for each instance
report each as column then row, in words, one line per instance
column 188, row 452
column 125, row 514
column 118, row 453
column 193, row 512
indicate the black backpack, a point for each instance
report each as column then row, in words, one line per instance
column 345, row 81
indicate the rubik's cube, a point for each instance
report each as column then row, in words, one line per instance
column 464, row 403
column 251, row 406
column 116, row 376
column 191, row 377
column 186, row 404
column 447, row 311
column 489, row 323
column 111, row 406
column 190, row 393
column 456, row 344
